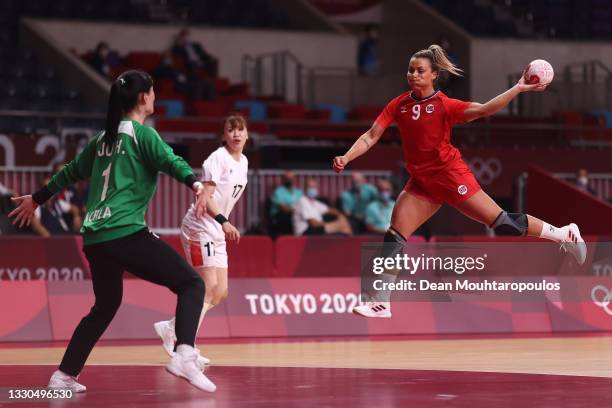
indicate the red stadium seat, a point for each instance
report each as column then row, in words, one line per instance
column 222, row 84
column 286, row 111
column 210, row 109
column 164, row 89
column 365, row 112
column 145, row 60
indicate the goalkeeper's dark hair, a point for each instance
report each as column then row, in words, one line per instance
column 123, row 98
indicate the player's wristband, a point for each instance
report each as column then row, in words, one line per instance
column 220, row 218
column 42, row 195
column 196, row 185
column 189, row 180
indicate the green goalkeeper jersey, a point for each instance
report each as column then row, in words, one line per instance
column 122, row 179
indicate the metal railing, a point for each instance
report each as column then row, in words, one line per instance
column 172, row 199
column 274, row 74
column 580, row 86
column 282, row 74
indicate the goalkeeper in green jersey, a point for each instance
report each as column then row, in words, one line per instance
column 122, row 165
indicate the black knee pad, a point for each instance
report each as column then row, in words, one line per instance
column 394, row 243
column 515, row 224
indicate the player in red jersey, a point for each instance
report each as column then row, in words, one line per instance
column 425, row 117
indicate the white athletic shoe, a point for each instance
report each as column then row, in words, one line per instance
column 166, row 332
column 184, row 364
column 574, row 244
column 61, row 380
column 373, row 309
column 202, row 361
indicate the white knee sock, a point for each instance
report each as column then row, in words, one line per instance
column 552, row 233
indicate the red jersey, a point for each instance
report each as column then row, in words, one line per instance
column 425, row 126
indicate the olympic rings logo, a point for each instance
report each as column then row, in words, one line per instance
column 602, row 297
column 485, row 170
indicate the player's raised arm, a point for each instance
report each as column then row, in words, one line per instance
column 481, row 110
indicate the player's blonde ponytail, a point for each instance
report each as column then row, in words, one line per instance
column 439, row 59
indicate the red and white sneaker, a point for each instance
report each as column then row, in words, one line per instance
column 373, row 309
column 574, row 244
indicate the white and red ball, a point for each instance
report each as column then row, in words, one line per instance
column 539, row 72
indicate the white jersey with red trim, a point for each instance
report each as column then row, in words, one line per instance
column 230, row 178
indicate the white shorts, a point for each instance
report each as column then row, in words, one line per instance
column 204, row 249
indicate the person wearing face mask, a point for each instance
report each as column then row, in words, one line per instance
column 310, row 215
column 355, row 200
column 281, row 204
column 582, row 181
column 378, row 213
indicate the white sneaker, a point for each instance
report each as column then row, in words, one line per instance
column 373, row 309
column 574, row 244
column 61, row 380
column 202, row 361
column 184, row 364
column 166, row 332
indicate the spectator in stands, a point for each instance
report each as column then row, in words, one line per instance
column 168, row 70
column 378, row 212
column 5, row 208
column 6, row 226
column 582, row 181
column 312, row 217
column 282, row 201
column 57, row 216
column 194, row 55
column 80, row 193
column 367, row 55
column 197, row 61
column 354, row 201
column 103, row 59
column 73, row 195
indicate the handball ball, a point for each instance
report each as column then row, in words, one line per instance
column 539, row 72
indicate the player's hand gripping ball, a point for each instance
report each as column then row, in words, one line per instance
column 539, row 72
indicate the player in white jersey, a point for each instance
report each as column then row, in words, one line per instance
column 203, row 239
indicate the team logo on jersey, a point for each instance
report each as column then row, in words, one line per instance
column 403, row 109
column 429, row 108
column 462, row 189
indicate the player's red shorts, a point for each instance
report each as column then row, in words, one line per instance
column 453, row 185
